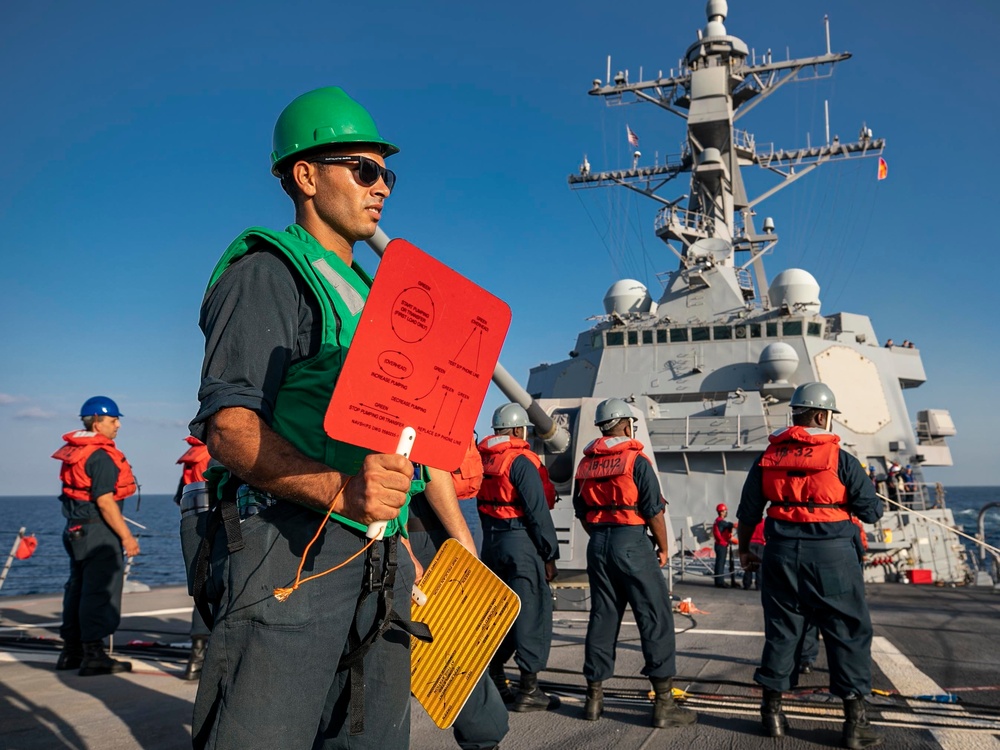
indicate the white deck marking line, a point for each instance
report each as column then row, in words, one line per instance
column 909, row 680
column 125, row 615
column 572, row 621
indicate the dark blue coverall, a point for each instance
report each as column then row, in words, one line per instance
column 516, row 550
column 721, row 527
column 623, row 569
column 483, row 721
column 812, row 574
column 271, row 676
column 92, row 602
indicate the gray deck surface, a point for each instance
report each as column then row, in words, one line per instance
column 927, row 640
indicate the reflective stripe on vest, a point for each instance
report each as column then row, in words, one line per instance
column 800, row 477
column 498, row 498
column 605, row 483
column 80, row 446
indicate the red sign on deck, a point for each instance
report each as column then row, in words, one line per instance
column 422, row 357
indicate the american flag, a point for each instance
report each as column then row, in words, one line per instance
column 633, row 139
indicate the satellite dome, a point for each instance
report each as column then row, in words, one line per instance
column 778, row 361
column 627, row 296
column 795, row 288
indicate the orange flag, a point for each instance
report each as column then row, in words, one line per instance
column 26, row 547
column 883, row 169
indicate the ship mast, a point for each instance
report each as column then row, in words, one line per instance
column 715, row 85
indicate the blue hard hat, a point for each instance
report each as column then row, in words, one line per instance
column 101, row 406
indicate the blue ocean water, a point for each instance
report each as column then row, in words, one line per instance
column 161, row 564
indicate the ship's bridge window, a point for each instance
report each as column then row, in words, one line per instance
column 740, row 332
column 647, row 337
column 616, row 338
column 678, row 334
column 700, row 333
column 633, row 338
column 755, row 330
column 661, row 335
column 770, row 330
column 597, row 341
column 792, row 328
column 722, row 333
column 815, row 329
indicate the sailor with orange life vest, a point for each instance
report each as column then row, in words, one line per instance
column 194, row 463
column 812, row 571
column 520, row 546
column 435, row 517
column 617, row 498
column 468, row 478
column 722, row 532
column 96, row 478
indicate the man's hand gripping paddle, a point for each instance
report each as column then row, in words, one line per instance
column 406, row 438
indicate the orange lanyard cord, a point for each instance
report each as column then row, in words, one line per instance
column 281, row 594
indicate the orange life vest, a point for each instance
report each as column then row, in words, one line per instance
column 498, row 497
column 79, row 447
column 723, row 538
column 604, row 479
column 195, row 461
column 800, row 477
column 468, row 477
column 547, row 486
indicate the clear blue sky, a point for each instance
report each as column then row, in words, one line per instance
column 136, row 140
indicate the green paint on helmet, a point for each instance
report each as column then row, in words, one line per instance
column 323, row 117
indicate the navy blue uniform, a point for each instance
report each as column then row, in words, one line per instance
column 812, row 573
column 623, row 569
column 92, row 602
column 516, row 550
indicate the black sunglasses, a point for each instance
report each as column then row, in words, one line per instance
column 368, row 171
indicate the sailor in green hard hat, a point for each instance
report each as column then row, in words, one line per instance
column 278, row 317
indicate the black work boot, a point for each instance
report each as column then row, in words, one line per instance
column 666, row 712
column 530, row 697
column 197, row 658
column 96, row 661
column 772, row 718
column 595, row 701
column 70, row 656
column 500, row 680
column 858, row 731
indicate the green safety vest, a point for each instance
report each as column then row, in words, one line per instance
column 302, row 399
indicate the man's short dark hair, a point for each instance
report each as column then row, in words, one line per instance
column 805, row 416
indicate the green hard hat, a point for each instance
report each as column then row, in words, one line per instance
column 814, row 396
column 319, row 118
column 612, row 408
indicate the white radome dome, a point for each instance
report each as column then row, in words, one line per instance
column 778, row 361
column 797, row 289
column 627, row 296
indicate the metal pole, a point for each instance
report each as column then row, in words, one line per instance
column 981, row 522
column 10, row 557
column 553, row 435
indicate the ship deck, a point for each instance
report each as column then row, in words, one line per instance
column 928, row 641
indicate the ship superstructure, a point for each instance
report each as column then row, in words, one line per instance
column 710, row 365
